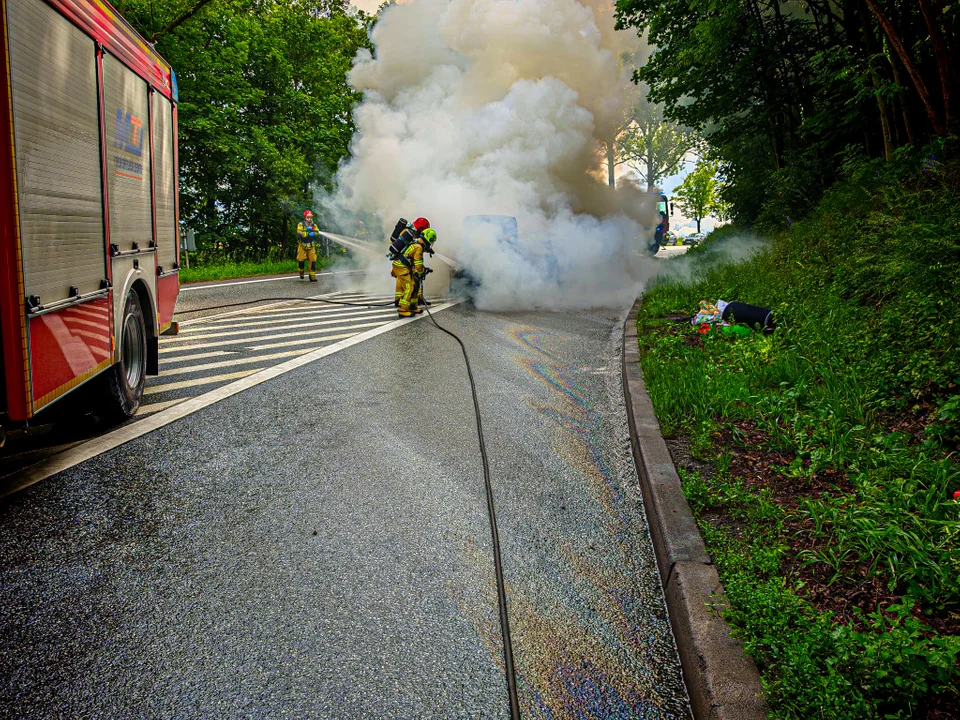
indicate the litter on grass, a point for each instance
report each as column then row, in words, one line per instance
column 724, row 314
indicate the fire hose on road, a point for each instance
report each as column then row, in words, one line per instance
column 509, row 668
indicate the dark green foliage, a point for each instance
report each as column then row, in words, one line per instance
column 858, row 382
column 781, row 90
column 812, row 666
column 264, row 112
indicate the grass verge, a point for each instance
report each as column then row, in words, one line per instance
column 231, row 270
column 821, row 460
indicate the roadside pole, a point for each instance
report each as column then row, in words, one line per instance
column 188, row 244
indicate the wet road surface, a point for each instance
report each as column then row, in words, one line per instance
column 318, row 546
column 215, row 347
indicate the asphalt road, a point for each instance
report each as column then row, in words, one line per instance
column 228, row 330
column 669, row 251
column 318, row 545
column 197, row 296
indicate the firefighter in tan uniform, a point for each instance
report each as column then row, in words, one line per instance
column 410, row 271
column 309, row 235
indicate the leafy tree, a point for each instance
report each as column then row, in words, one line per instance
column 699, row 194
column 644, row 139
column 652, row 145
column 783, row 91
column 264, row 109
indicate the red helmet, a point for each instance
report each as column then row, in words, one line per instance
column 421, row 224
column 306, row 213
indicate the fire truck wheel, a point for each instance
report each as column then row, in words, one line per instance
column 125, row 380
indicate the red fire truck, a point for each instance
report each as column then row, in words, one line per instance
column 89, row 234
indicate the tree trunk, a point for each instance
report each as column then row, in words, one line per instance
column 211, row 213
column 611, row 163
column 943, row 61
column 904, row 101
column 912, row 70
column 649, row 169
column 870, row 41
column 698, row 224
column 884, row 124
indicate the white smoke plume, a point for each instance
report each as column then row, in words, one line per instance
column 726, row 250
column 480, row 107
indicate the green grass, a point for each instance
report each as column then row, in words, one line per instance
column 860, row 383
column 226, row 270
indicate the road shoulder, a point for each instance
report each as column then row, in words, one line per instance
column 723, row 682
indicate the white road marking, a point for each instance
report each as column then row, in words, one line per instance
column 188, row 288
column 254, row 309
column 208, row 318
column 258, row 338
column 307, row 341
column 295, row 307
column 317, row 315
column 92, row 448
column 185, row 337
column 153, row 390
column 186, row 348
column 244, row 320
column 198, row 356
column 232, row 363
column 315, row 304
column 316, row 301
column 150, row 408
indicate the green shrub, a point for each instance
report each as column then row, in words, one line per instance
column 859, row 382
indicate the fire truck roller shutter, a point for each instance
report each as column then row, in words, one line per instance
column 128, row 182
column 57, row 138
column 163, row 169
column 128, row 155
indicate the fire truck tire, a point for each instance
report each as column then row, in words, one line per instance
column 125, row 380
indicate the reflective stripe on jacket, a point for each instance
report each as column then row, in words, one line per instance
column 414, row 256
column 302, row 231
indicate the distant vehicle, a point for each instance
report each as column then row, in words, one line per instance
column 88, row 198
column 695, row 239
column 661, row 232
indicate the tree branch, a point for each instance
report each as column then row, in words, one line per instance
column 174, row 24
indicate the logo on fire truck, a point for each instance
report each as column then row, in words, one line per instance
column 128, row 137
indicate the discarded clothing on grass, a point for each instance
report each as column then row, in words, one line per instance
column 709, row 313
column 750, row 315
column 733, row 313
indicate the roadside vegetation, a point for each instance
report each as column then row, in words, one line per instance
column 227, row 270
column 265, row 112
column 821, row 459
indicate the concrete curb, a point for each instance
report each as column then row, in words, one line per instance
column 722, row 681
